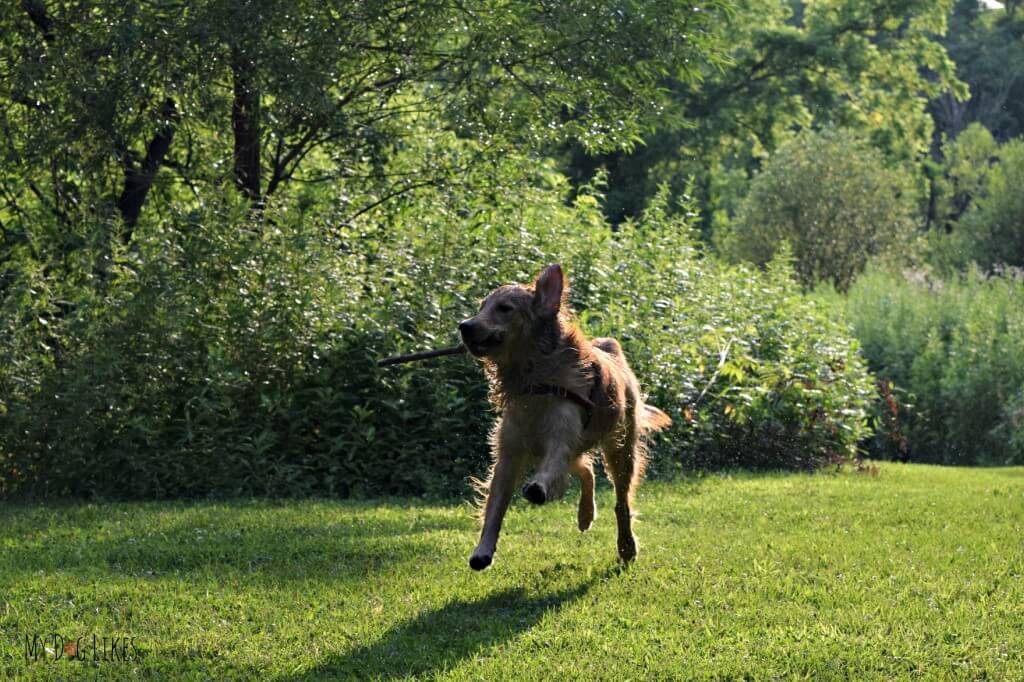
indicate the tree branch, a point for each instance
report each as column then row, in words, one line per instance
column 281, row 162
column 139, row 180
column 389, row 196
column 40, row 17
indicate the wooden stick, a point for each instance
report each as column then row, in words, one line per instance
column 425, row 355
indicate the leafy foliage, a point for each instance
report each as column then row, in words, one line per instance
column 870, row 67
column 988, row 50
column 215, row 216
column 232, row 353
column 756, row 374
column 964, row 175
column 955, row 350
column 995, row 231
column 829, row 196
column 977, row 192
column 99, row 97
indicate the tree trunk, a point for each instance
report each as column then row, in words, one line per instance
column 139, row 179
column 245, row 123
column 40, row 17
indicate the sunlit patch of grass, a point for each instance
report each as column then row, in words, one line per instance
column 916, row 573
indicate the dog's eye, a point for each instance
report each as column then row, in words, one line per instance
column 504, row 308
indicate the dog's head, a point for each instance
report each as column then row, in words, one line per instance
column 515, row 315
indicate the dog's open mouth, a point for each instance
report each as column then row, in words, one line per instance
column 481, row 347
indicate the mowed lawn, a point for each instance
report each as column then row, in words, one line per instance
column 915, row 573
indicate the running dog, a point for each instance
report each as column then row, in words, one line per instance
column 561, row 396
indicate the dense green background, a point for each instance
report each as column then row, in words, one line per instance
column 215, row 215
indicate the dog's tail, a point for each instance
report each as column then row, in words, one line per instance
column 654, row 419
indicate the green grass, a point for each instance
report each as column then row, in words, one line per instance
column 915, row 573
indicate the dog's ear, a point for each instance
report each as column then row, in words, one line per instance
column 548, row 289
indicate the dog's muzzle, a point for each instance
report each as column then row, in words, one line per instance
column 476, row 338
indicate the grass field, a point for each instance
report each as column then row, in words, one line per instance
column 915, row 573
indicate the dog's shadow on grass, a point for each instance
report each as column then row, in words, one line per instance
column 440, row 639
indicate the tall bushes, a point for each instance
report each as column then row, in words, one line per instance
column 829, row 195
column 232, row 352
column 980, row 203
column 954, row 350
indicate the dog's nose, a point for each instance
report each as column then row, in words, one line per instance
column 466, row 326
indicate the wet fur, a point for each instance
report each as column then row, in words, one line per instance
column 525, row 335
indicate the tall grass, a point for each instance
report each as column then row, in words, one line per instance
column 954, row 349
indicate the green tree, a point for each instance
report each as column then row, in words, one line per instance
column 994, row 232
column 830, row 197
column 99, row 96
column 868, row 66
column 116, row 116
column 966, row 171
column 988, row 48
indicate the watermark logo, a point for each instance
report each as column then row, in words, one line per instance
column 56, row 647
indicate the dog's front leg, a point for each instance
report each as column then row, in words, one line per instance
column 508, row 467
column 561, row 430
column 551, row 479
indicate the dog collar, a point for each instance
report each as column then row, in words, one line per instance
column 565, row 394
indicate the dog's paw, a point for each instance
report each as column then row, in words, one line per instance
column 479, row 562
column 585, row 518
column 627, row 549
column 534, row 492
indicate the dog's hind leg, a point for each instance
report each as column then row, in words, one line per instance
column 624, row 460
column 587, row 512
column 508, row 468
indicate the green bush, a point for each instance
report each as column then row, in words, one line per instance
column 232, row 353
column 829, row 196
column 995, row 231
column 979, row 197
column 955, row 351
column 966, row 173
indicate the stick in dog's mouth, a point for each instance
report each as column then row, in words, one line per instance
column 425, row 355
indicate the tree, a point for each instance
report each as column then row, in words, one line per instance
column 994, row 231
column 966, row 172
column 868, row 66
column 99, row 96
column 988, row 48
column 830, row 197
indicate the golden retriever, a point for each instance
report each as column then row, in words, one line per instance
column 561, row 396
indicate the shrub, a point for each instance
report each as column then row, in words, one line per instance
column 231, row 353
column 955, row 349
column 967, row 166
column 831, row 198
column 995, row 231
column 979, row 195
